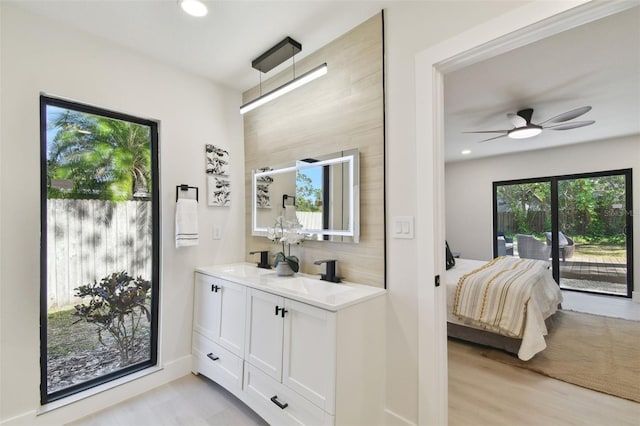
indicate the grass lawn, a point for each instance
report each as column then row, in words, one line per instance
column 65, row 337
column 601, row 250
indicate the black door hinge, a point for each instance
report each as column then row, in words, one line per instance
column 437, row 280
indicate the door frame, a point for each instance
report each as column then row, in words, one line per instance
column 522, row 26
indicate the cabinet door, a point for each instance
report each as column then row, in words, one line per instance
column 206, row 307
column 263, row 344
column 230, row 332
column 309, row 354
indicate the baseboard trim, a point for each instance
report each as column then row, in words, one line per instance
column 395, row 419
column 83, row 407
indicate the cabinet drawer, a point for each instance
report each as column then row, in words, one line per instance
column 217, row 363
column 260, row 390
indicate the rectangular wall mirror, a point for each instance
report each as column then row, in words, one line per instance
column 320, row 192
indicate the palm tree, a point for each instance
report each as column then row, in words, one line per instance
column 105, row 158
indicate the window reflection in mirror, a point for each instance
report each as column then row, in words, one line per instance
column 326, row 196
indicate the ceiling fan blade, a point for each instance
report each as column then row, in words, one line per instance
column 490, row 139
column 517, row 120
column 568, row 126
column 569, row 115
column 489, row 131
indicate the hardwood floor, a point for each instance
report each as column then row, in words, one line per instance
column 482, row 392
column 486, row 392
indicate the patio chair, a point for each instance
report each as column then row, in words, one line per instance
column 531, row 248
column 505, row 248
column 565, row 244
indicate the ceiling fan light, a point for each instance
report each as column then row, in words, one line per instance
column 194, row 7
column 528, row 131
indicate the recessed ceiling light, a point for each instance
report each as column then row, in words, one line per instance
column 466, row 152
column 193, row 7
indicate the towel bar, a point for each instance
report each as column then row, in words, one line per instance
column 184, row 187
column 285, row 197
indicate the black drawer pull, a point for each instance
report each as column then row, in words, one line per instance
column 212, row 357
column 274, row 399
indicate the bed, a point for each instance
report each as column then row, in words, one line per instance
column 517, row 322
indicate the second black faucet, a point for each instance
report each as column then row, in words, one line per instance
column 330, row 274
column 264, row 259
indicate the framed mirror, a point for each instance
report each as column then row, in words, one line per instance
column 321, row 193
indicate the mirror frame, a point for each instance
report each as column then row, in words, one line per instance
column 352, row 160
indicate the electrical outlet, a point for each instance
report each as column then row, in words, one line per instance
column 217, row 233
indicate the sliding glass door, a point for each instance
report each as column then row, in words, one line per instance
column 594, row 232
column 581, row 224
column 522, row 217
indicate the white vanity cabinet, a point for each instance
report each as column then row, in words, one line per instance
column 294, row 344
column 218, row 330
column 312, row 353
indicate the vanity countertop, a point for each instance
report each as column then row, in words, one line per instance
column 301, row 287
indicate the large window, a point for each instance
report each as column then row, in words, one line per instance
column 100, row 246
column 581, row 224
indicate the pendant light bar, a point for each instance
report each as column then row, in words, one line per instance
column 305, row 78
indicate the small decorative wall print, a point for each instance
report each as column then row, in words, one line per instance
column 263, row 199
column 267, row 178
column 263, row 183
column 218, row 191
column 217, row 160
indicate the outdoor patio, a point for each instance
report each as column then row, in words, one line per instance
column 601, row 274
column 606, row 274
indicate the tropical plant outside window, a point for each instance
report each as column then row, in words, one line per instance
column 99, row 259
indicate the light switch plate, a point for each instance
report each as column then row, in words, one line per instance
column 402, row 227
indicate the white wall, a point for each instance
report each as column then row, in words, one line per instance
column 37, row 56
column 469, row 189
column 411, row 27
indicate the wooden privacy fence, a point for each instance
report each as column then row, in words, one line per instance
column 90, row 239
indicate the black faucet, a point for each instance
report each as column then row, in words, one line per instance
column 331, row 270
column 264, row 259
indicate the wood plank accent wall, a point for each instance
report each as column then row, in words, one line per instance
column 342, row 110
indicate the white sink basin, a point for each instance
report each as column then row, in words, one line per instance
column 304, row 285
column 243, row 270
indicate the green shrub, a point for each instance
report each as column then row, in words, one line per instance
column 116, row 305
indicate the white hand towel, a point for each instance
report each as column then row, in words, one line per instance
column 290, row 213
column 186, row 222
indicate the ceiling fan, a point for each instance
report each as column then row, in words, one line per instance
column 524, row 128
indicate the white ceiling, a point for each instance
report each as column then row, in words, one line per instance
column 219, row 46
column 597, row 64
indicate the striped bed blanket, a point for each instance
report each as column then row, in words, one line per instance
column 495, row 296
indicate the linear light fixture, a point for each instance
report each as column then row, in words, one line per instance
column 305, row 78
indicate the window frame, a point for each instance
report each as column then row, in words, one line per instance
column 45, row 101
